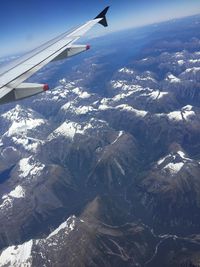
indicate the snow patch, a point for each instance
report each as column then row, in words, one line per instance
column 22, row 120
column 83, row 110
column 7, row 203
column 157, row 94
column 29, row 167
column 173, row 156
column 162, row 94
column 84, row 95
column 180, row 62
column 126, row 70
column 8, row 199
column 147, row 78
column 187, row 112
column 175, row 116
column 174, row 167
column 70, row 129
column 194, row 60
column 172, row 79
column 179, row 55
column 121, row 96
column 28, row 143
column 19, row 256
column 159, row 162
column 18, row 192
column 183, row 156
column 77, row 91
column 117, row 84
column 103, row 107
column 68, row 226
column 123, row 86
column 138, row 113
column 193, row 70
column 119, row 135
column 119, row 167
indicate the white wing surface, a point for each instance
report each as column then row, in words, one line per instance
column 15, row 73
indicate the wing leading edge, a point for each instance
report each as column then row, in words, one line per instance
column 62, row 46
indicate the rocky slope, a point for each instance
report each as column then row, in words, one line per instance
column 96, row 242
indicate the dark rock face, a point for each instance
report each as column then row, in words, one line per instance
column 96, row 243
column 172, row 193
column 124, row 160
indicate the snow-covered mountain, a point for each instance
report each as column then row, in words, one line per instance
column 124, row 160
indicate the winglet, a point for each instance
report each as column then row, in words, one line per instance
column 102, row 15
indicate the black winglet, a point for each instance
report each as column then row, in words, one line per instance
column 103, row 16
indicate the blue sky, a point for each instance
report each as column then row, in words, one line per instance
column 26, row 23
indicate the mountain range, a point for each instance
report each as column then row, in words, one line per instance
column 104, row 169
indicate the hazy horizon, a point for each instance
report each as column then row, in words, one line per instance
column 24, row 25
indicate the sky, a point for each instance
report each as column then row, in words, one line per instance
column 25, row 24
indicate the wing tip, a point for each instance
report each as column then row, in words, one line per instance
column 102, row 15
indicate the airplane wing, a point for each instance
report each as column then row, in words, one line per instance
column 14, row 74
